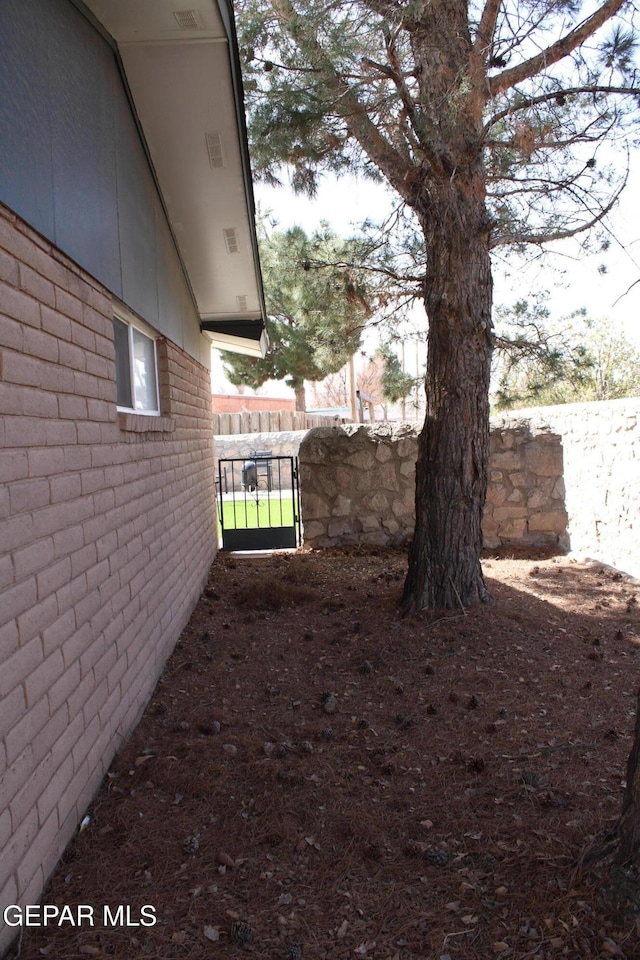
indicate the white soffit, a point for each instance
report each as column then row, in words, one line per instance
column 176, row 59
column 251, row 348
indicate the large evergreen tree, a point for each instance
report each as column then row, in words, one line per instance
column 319, row 301
column 487, row 119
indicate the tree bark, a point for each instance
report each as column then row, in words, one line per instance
column 628, row 850
column 451, row 480
column 301, row 400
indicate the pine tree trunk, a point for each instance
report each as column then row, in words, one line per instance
column 628, row 850
column 301, row 400
column 444, row 558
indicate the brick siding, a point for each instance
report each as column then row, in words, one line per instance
column 107, row 532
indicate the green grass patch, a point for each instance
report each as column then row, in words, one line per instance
column 248, row 514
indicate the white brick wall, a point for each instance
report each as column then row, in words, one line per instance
column 107, row 528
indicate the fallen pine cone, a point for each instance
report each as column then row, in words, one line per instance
column 225, row 859
column 191, row 844
column 240, row 932
column 438, row 856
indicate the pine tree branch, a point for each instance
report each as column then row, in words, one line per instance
column 557, row 51
column 486, row 28
column 407, row 100
column 398, row 171
column 528, row 102
column 581, row 136
column 534, row 186
column 386, row 9
column 542, row 237
column 622, row 295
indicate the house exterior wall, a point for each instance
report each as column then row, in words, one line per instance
column 73, row 164
column 107, row 532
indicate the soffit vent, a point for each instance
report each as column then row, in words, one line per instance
column 215, row 151
column 189, row 19
column 231, row 240
column 242, row 304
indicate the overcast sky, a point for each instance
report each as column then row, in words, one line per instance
column 576, row 282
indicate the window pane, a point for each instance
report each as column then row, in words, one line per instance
column 123, row 368
column 145, row 386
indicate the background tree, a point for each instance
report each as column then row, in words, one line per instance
column 397, row 385
column 487, row 119
column 333, row 391
column 381, row 378
column 318, row 301
column 540, row 361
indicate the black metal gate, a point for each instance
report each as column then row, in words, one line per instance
column 259, row 502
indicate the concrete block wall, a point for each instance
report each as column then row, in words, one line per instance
column 107, row 532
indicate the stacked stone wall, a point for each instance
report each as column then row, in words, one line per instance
column 358, row 486
column 107, row 533
column 525, row 492
column 601, row 447
column 566, row 475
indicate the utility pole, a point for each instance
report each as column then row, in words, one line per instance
column 352, row 391
column 404, row 399
column 417, row 381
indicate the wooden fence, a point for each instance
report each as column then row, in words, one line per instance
column 260, row 421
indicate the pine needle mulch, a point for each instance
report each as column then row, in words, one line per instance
column 316, row 777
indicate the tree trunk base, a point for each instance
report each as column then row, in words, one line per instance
column 620, row 892
column 616, row 862
column 452, row 583
column 617, row 887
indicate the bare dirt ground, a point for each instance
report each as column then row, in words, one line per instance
column 317, row 777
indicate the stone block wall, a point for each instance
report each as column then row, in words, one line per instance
column 357, row 485
column 107, row 533
column 525, row 491
column 601, row 447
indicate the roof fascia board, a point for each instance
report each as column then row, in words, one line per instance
column 228, row 19
column 250, row 348
column 95, row 23
column 226, row 12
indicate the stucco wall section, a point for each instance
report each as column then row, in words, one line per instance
column 358, row 485
column 107, row 533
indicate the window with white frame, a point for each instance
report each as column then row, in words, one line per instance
column 136, row 369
